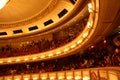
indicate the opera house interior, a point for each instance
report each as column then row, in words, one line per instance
column 59, row 39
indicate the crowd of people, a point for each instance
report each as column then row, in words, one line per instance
column 103, row 54
column 59, row 38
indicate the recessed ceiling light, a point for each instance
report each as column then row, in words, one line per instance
column 58, row 52
column 17, row 60
column 50, row 54
column 9, row 61
column 1, row 61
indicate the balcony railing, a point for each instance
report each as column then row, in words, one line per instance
column 106, row 73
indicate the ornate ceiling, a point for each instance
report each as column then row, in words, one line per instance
column 19, row 10
column 22, row 15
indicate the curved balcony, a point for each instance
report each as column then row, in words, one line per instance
column 106, row 73
column 92, row 29
column 99, row 21
column 105, row 55
column 78, row 18
column 43, row 43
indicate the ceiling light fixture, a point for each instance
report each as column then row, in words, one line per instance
column 1, row 61
column 3, row 3
column 90, row 7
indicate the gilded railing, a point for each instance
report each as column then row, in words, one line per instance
column 106, row 73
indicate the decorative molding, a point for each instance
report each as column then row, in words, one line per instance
column 34, row 18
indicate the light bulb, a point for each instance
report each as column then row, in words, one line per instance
column 3, row 3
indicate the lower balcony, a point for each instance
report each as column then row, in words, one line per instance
column 105, row 73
